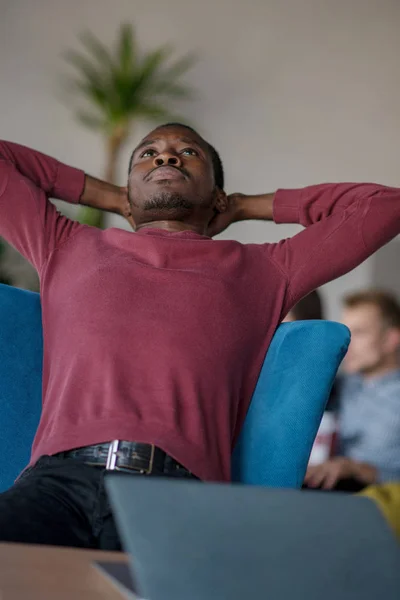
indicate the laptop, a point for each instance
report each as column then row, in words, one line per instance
column 201, row 541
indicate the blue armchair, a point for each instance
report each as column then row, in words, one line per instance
column 278, row 432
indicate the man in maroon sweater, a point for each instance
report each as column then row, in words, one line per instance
column 153, row 340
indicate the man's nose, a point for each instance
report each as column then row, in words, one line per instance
column 167, row 158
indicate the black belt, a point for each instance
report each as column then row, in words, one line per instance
column 119, row 455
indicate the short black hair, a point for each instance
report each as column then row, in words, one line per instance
column 386, row 302
column 215, row 157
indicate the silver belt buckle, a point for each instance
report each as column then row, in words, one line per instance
column 112, row 455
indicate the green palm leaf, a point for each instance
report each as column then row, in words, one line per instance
column 90, row 120
column 85, row 68
column 180, row 67
column 126, row 52
column 97, row 50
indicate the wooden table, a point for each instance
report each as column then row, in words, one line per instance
column 49, row 573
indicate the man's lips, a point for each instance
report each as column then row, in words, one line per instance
column 161, row 173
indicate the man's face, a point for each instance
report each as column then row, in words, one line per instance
column 171, row 177
column 371, row 340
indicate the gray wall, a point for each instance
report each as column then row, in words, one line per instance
column 292, row 92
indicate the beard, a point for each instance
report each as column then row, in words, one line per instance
column 167, row 201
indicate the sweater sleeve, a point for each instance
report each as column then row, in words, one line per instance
column 344, row 225
column 28, row 220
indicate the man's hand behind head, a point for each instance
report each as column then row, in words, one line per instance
column 228, row 213
column 125, row 209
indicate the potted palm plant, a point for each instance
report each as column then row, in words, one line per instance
column 120, row 86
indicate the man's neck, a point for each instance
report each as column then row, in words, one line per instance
column 173, row 226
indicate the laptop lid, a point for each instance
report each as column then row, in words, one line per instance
column 218, row 542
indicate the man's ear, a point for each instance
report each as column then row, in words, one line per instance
column 392, row 340
column 221, row 200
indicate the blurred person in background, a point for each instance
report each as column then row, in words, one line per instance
column 367, row 399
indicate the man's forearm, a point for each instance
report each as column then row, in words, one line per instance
column 257, row 207
column 102, row 195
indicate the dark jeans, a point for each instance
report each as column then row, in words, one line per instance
column 62, row 502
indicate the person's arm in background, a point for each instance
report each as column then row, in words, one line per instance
column 28, row 220
column 329, row 474
column 344, row 224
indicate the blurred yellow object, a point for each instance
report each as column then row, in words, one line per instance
column 387, row 496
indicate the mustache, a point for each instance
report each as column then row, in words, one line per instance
column 180, row 169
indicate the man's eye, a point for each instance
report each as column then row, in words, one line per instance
column 189, row 151
column 148, row 153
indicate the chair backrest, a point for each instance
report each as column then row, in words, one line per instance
column 21, row 351
column 281, row 424
column 288, row 403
